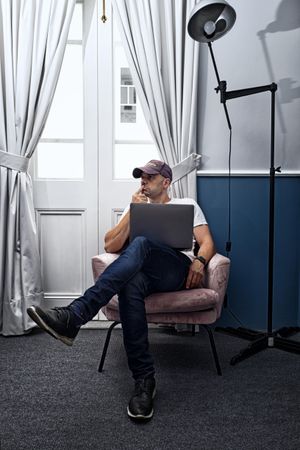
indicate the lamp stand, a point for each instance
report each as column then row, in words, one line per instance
column 268, row 339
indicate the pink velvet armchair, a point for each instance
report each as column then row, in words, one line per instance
column 201, row 306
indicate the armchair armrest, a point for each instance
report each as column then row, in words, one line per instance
column 100, row 262
column 217, row 275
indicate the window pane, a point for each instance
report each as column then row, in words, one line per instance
column 126, row 78
column 130, row 126
column 129, row 156
column 60, row 160
column 136, row 127
column 65, row 118
column 124, row 91
column 128, row 114
column 75, row 32
column 132, row 95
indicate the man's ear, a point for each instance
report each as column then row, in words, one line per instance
column 166, row 183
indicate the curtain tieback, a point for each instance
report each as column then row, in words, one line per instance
column 186, row 166
column 12, row 161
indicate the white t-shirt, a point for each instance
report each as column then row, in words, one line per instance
column 199, row 218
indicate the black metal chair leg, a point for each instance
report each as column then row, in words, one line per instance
column 214, row 350
column 106, row 344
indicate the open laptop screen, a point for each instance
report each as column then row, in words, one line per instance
column 168, row 224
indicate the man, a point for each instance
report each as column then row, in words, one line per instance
column 143, row 267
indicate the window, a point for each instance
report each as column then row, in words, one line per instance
column 133, row 142
column 128, row 97
column 60, row 150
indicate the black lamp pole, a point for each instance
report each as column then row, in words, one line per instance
column 270, row 338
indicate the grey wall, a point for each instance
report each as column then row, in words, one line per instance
column 263, row 46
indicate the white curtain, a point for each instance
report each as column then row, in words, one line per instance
column 33, row 36
column 164, row 60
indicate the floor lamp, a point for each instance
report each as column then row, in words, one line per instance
column 209, row 21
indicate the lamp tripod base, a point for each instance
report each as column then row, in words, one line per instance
column 261, row 341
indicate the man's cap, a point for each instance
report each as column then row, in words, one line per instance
column 153, row 167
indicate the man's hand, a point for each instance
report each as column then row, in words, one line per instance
column 139, row 197
column 195, row 274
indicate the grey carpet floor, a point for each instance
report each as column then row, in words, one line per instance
column 53, row 398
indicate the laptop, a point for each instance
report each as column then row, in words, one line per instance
column 168, row 224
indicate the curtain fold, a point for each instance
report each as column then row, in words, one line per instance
column 164, row 62
column 33, row 37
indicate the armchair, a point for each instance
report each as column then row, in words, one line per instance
column 200, row 306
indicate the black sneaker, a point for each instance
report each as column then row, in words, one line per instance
column 56, row 321
column 141, row 403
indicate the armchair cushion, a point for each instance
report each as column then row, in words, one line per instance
column 177, row 301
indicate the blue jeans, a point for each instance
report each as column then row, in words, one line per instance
column 143, row 268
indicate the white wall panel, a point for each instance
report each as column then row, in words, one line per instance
column 116, row 216
column 62, row 249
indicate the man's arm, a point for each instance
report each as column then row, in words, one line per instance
column 207, row 250
column 116, row 238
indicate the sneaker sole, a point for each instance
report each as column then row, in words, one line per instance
column 39, row 321
column 141, row 416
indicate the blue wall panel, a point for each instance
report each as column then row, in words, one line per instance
column 248, row 285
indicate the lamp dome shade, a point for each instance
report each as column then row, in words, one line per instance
column 210, row 20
